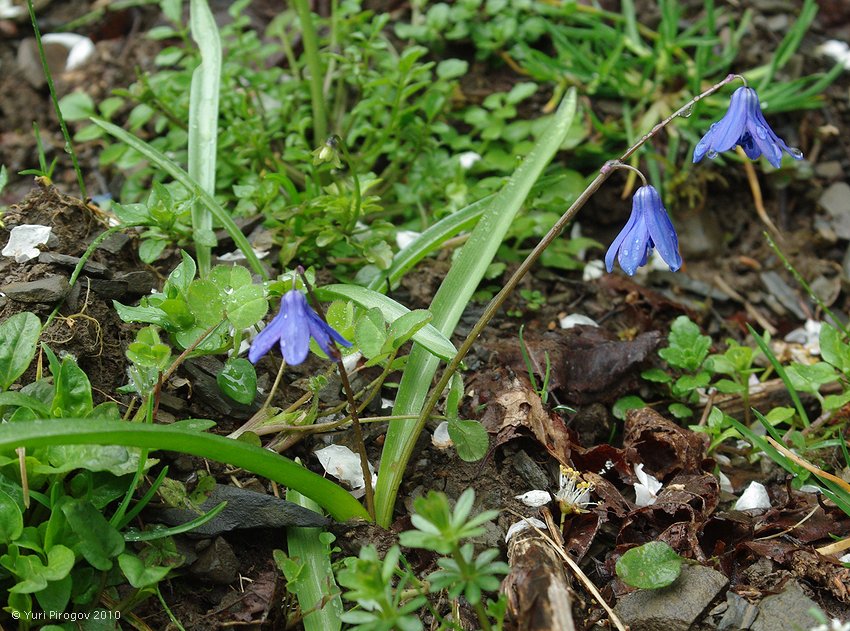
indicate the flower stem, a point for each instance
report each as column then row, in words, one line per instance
column 498, row 300
column 352, row 405
column 355, row 215
column 314, row 65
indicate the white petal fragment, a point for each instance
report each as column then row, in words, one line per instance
column 575, row 319
column 440, row 438
column 343, row 464
column 535, row 499
column 755, row 497
column 646, row 488
column 23, row 242
column 524, row 524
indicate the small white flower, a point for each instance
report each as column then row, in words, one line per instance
column 467, row 159
column 534, row 499
column 755, row 497
column 573, row 492
column 646, row 488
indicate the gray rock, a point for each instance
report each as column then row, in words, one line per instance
column 109, row 289
column 114, row 243
column 675, row 607
column 44, row 290
column 217, row 563
column 786, row 610
column 92, row 268
column 139, row 282
column 830, row 170
column 245, row 509
column 835, row 200
column 739, row 614
column 532, row 473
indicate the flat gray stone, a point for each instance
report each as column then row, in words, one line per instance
column 675, row 607
column 114, row 243
column 92, row 268
column 217, row 563
column 245, row 509
column 786, row 610
column 835, row 200
column 739, row 614
column 44, row 290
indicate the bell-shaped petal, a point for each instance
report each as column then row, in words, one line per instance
column 292, row 328
column 744, row 125
column 648, row 227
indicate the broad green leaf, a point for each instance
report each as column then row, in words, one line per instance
column 138, row 574
column 11, row 519
column 229, row 277
column 429, row 337
column 246, row 306
column 238, row 380
column 180, row 277
column 405, row 327
column 650, row 566
column 98, row 541
column 147, row 315
column 205, row 303
column 470, row 439
column 370, row 333
column 18, row 342
column 73, row 391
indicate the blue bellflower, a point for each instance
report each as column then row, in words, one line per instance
column 648, row 227
column 744, row 124
column 293, row 326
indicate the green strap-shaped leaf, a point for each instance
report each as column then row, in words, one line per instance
column 18, row 340
column 333, row 498
column 452, row 298
column 428, row 336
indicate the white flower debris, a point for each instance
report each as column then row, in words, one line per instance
column 523, row 524
column 575, row 319
column 10, row 11
column 833, row 625
column 593, row 271
column 468, row 159
column 754, row 497
column 349, row 362
column 609, row 464
column 808, row 336
column 403, row 238
column 80, row 48
column 837, row 50
column 23, row 242
column 845, row 558
column 344, row 465
column 573, row 494
column 646, row 488
column 237, row 255
column 440, row 438
column 535, row 499
column 725, row 483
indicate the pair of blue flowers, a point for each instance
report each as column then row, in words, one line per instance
column 649, row 226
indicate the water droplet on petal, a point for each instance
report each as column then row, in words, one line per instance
column 712, row 154
column 761, row 132
column 685, row 113
column 795, row 153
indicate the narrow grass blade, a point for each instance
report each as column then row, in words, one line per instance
column 191, row 185
column 792, row 392
column 316, row 589
column 452, row 298
column 428, row 336
column 160, row 533
column 333, row 498
column 203, row 124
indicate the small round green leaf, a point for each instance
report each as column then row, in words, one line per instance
column 238, row 380
column 470, row 439
column 650, row 566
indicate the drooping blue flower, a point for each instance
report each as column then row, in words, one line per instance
column 293, row 326
column 744, row 124
column 648, row 227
